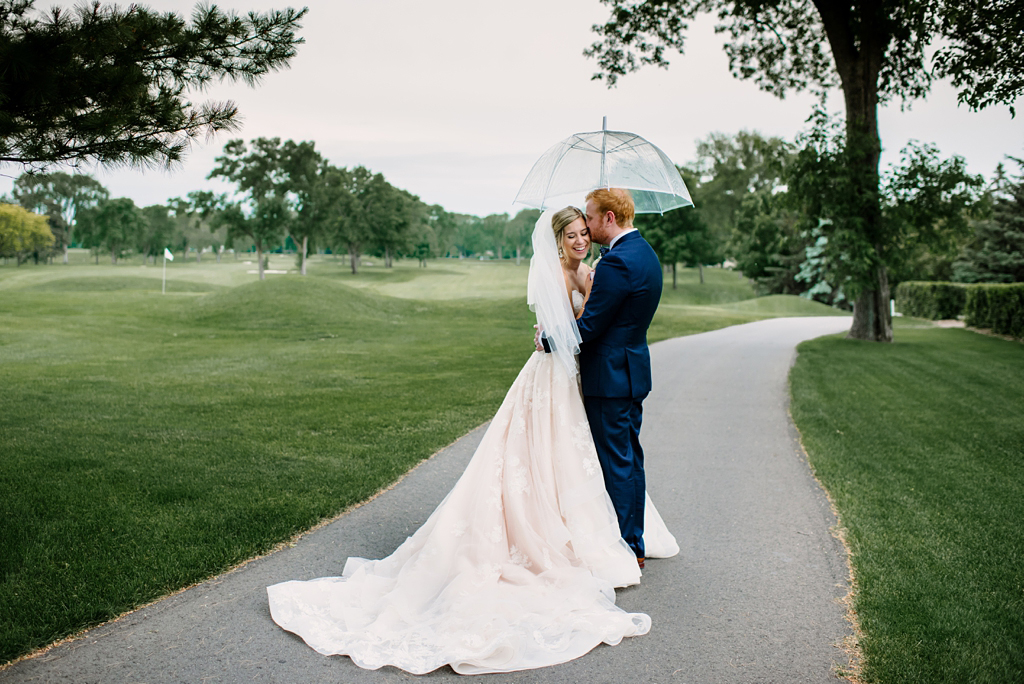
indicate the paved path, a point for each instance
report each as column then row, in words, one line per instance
column 752, row 597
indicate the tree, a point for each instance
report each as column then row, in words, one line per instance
column 347, row 224
column 443, row 227
column 22, row 232
column 730, row 168
column 470, row 237
column 261, row 222
column 519, row 230
column 682, row 236
column 493, row 228
column 393, row 216
column 195, row 224
column 995, row 253
column 59, row 195
column 873, row 50
column 113, row 224
column 768, row 242
column 925, row 203
column 110, row 84
column 158, row 229
column 306, row 180
column 263, row 212
column 435, row 234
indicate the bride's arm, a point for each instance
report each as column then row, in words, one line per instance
column 588, row 283
column 568, row 287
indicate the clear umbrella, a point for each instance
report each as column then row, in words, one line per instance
column 609, row 159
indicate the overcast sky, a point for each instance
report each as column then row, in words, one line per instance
column 453, row 100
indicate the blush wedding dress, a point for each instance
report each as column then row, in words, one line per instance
column 517, row 567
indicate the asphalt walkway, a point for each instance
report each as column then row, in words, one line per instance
column 752, row 596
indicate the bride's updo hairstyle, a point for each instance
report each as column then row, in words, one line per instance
column 561, row 220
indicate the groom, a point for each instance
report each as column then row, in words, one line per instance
column 615, row 363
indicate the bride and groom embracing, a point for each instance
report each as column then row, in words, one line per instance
column 517, row 567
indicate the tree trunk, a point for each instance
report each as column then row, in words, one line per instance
column 700, row 270
column 305, row 246
column 113, row 257
column 97, row 252
column 872, row 317
column 219, row 253
column 259, row 260
column 387, row 257
column 858, row 60
column 518, row 255
column 673, row 275
column 353, row 257
column 65, row 254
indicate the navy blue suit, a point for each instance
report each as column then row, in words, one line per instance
column 615, row 370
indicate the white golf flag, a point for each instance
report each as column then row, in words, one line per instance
column 168, row 255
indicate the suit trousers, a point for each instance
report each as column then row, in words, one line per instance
column 615, row 425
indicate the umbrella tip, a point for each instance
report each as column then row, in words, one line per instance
column 604, row 123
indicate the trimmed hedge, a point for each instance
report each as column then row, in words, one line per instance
column 999, row 307
column 935, row 301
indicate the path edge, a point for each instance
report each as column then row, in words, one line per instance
column 279, row 546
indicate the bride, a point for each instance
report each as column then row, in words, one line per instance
column 516, row 568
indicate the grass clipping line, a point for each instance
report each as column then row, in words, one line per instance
column 280, row 546
column 850, row 644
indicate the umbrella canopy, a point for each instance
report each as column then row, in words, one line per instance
column 609, row 159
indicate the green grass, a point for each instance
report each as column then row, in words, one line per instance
column 921, row 446
column 150, row 441
column 676, row 320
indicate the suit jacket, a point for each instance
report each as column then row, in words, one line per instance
column 614, row 358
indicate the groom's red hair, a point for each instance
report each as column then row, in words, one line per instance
column 616, row 200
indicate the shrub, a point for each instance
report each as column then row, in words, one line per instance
column 931, row 300
column 999, row 307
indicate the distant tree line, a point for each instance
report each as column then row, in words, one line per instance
column 287, row 196
column 763, row 205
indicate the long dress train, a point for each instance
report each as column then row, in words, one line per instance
column 514, row 570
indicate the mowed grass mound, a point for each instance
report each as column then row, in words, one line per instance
column 921, row 445
column 110, row 283
column 149, row 441
column 724, row 298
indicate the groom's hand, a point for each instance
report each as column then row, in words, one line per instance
column 542, row 343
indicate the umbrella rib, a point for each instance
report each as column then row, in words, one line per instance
column 633, row 152
column 551, row 177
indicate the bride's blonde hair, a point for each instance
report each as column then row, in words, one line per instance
column 561, row 220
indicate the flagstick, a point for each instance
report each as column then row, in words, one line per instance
column 163, row 288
